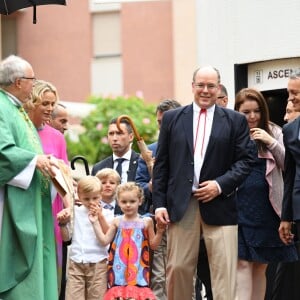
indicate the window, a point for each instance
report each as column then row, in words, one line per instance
column 107, row 59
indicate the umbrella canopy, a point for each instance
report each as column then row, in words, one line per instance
column 9, row 6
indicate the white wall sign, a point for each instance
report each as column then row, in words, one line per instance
column 271, row 75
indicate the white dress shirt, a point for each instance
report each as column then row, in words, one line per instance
column 125, row 164
column 108, row 214
column 198, row 139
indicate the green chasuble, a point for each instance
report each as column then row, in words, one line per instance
column 27, row 246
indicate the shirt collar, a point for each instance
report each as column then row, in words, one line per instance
column 127, row 155
column 210, row 110
column 12, row 98
column 112, row 203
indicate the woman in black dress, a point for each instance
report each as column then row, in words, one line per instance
column 259, row 200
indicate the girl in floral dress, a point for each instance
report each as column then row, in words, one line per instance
column 132, row 236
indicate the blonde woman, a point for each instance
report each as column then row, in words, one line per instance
column 40, row 106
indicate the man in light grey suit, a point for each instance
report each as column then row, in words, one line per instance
column 291, row 139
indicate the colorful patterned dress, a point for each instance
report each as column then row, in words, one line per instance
column 128, row 267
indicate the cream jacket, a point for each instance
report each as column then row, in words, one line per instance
column 274, row 167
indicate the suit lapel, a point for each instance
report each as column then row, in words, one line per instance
column 295, row 133
column 216, row 128
column 297, row 125
column 132, row 166
column 187, row 123
column 111, row 162
column 291, row 130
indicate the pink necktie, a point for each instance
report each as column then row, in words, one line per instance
column 202, row 122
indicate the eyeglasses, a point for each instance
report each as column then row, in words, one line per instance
column 209, row 86
column 29, row 78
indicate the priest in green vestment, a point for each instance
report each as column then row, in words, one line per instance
column 27, row 246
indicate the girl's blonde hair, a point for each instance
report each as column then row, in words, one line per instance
column 130, row 187
column 40, row 87
column 108, row 172
column 89, row 184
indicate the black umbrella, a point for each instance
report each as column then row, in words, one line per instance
column 9, row 6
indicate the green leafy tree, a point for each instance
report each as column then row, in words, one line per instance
column 93, row 144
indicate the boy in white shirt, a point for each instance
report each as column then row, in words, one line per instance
column 87, row 272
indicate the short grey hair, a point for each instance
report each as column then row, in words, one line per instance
column 11, row 68
column 295, row 74
column 55, row 110
column 223, row 89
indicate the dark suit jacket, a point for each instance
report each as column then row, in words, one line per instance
column 143, row 177
column 291, row 195
column 226, row 160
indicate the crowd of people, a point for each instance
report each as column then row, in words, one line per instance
column 220, row 206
